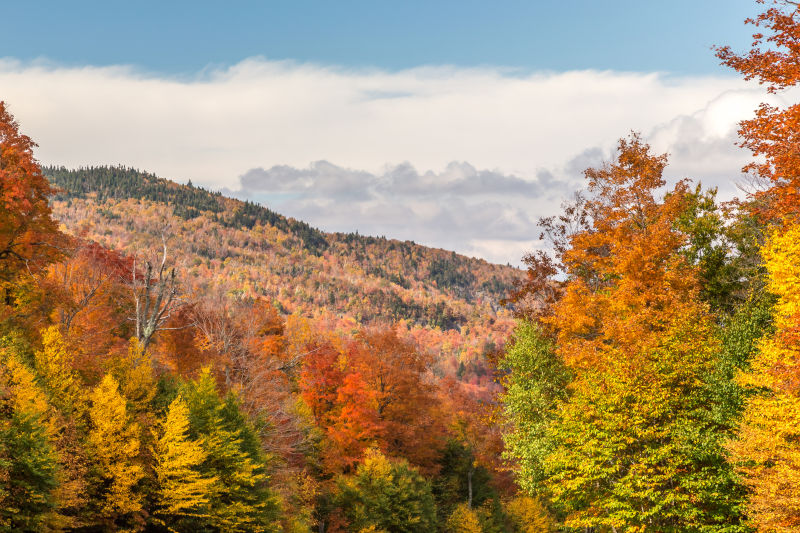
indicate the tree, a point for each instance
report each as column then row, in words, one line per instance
column 243, row 500
column 154, row 295
column 773, row 134
column 619, row 433
column 528, row 515
column 28, row 461
column 58, row 378
column 535, row 386
column 29, row 237
column 114, row 442
column 766, row 448
column 183, row 491
column 463, row 520
column 387, row 495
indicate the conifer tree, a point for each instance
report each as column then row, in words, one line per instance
column 183, row 491
column 28, row 462
column 114, row 443
column 387, row 495
column 54, row 368
column 243, row 501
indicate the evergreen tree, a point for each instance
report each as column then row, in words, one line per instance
column 28, row 461
column 243, row 501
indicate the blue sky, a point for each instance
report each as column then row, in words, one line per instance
column 187, row 36
column 451, row 123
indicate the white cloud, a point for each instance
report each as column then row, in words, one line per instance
column 526, row 136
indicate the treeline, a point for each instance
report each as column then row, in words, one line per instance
column 188, row 201
column 652, row 380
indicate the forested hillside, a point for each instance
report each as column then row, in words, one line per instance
column 174, row 360
column 222, row 246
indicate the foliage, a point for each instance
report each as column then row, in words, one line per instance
column 114, row 443
column 463, row 520
column 773, row 133
column 242, row 500
column 766, row 447
column 183, row 491
column 29, row 235
column 535, row 386
column 388, row 495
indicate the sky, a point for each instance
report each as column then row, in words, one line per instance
column 451, row 123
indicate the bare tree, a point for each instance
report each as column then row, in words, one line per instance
column 155, row 294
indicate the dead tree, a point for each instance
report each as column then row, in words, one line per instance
column 155, row 296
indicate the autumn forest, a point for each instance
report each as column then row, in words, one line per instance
column 173, row 359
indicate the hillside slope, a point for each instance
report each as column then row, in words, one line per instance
column 244, row 250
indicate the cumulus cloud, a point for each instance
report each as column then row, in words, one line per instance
column 384, row 142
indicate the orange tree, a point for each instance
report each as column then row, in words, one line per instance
column 27, row 230
column 626, row 439
column 773, row 134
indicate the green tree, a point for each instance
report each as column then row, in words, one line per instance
column 535, row 386
column 28, row 461
column 386, row 495
column 243, row 500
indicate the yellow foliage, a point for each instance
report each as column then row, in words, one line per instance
column 768, row 445
column 114, row 442
column 27, row 396
column 529, row 515
column 135, row 376
column 54, row 367
column 182, row 490
column 463, row 520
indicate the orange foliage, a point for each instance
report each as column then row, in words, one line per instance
column 29, row 237
column 374, row 392
column 774, row 133
column 630, row 247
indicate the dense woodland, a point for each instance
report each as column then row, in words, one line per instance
column 174, row 360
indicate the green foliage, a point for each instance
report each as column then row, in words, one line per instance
column 243, row 501
column 725, row 250
column 28, row 470
column 535, row 386
column 387, row 495
column 458, row 469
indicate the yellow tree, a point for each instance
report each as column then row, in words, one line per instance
column 183, row 491
column 54, row 367
column 464, row 520
column 114, row 443
column 767, row 447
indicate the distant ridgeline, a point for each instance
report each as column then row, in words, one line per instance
column 365, row 277
column 188, row 201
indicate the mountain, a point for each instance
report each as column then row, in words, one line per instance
column 245, row 250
